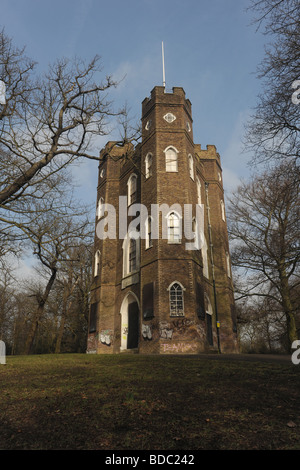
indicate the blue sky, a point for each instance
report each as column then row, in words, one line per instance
column 211, row 50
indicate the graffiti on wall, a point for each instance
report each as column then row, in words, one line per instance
column 146, row 331
column 180, row 347
column 165, row 330
column 106, row 337
column 178, row 329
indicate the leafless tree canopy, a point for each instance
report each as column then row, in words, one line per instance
column 48, row 122
column 273, row 131
column 264, row 227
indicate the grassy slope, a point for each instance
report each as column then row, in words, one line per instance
column 147, row 403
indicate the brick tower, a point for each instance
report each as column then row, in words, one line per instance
column 162, row 279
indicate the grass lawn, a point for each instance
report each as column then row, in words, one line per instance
column 135, row 402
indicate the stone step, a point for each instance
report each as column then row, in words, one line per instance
column 130, row 351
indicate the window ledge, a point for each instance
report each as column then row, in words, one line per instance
column 133, row 278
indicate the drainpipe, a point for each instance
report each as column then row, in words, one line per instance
column 213, row 266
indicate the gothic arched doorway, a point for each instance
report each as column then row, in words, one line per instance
column 129, row 322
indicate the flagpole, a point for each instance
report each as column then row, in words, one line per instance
column 163, row 64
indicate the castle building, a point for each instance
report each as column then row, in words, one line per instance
column 162, row 273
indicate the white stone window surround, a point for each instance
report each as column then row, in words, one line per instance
column 176, row 299
column 174, row 227
column 171, row 157
column 100, row 207
column 97, row 263
column 198, row 183
column 169, row 117
column 148, row 165
column 132, row 189
column 148, row 232
column 126, row 256
column 191, row 166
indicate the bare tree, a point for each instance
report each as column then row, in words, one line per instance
column 6, row 300
column 47, row 123
column 264, row 227
column 262, row 325
column 273, row 131
column 53, row 125
column 73, row 288
column 53, row 241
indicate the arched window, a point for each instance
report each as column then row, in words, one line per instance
column 131, row 255
column 176, row 299
column 97, row 263
column 132, row 189
column 171, row 159
column 148, row 165
column 198, row 190
column 223, row 210
column 100, row 207
column 191, row 166
column 174, row 227
column 148, row 230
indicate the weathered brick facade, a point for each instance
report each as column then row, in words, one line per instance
column 157, row 296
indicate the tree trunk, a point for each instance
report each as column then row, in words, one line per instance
column 60, row 334
column 40, row 311
column 289, row 312
column 65, row 309
column 33, row 330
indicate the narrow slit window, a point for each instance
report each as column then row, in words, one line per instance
column 132, row 189
column 191, row 166
column 97, row 263
column 148, row 232
column 148, row 166
column 198, row 190
column 132, row 255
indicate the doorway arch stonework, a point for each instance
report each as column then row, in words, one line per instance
column 129, row 313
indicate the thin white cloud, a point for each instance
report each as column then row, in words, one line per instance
column 79, row 14
column 138, row 76
column 231, row 179
column 234, row 159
